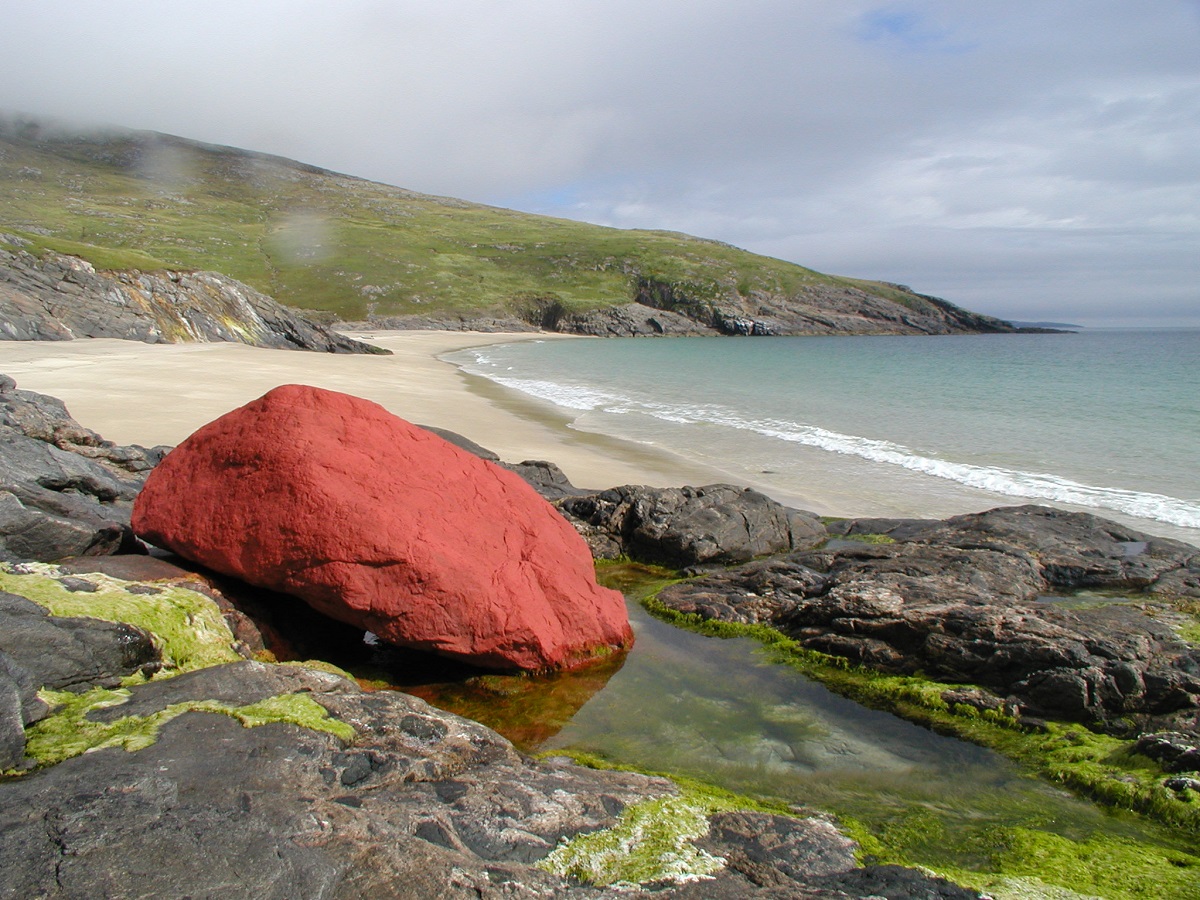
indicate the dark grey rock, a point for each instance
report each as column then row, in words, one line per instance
column 62, row 297
column 778, row 848
column 65, row 653
column 717, row 524
column 965, row 600
column 894, row 883
column 421, row 804
column 1179, row 783
column 1176, row 752
column 1074, row 550
column 545, row 477
column 897, row 529
column 64, row 490
column 16, row 692
column 632, row 320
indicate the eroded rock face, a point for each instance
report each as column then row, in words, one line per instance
column 967, row 600
column 64, row 490
column 680, row 527
column 59, row 298
column 386, row 526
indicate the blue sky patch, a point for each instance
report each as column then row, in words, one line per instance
column 910, row 31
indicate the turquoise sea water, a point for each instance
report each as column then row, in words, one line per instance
column 1103, row 421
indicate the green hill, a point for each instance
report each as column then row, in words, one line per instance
column 318, row 240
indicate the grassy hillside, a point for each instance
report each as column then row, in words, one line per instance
column 319, row 240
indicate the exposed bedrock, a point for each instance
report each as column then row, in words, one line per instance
column 971, row 599
column 59, row 298
column 64, row 490
column 330, row 792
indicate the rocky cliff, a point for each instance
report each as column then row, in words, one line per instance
column 664, row 308
column 56, row 298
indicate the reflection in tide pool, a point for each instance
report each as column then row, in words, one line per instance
column 718, row 710
column 688, row 702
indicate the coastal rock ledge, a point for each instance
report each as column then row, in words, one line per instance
column 386, row 526
column 59, row 298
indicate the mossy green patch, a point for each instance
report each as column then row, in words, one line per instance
column 651, row 842
column 68, row 731
column 867, row 538
column 187, row 626
column 320, row 665
column 1187, row 621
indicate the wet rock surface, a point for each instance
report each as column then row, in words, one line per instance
column 59, row 298
column 969, row 599
column 420, row 803
column 64, row 490
column 681, row 527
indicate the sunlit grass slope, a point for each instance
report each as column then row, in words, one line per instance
column 319, row 240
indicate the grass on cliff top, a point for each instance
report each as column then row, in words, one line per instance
column 318, row 240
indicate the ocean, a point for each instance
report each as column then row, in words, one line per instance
column 1104, row 421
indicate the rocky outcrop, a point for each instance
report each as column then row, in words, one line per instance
column 661, row 309
column 276, row 781
column 57, row 298
column 817, row 308
column 64, row 490
column 38, row 651
column 383, row 525
column 718, row 524
column 1176, row 752
column 971, row 599
column 631, row 320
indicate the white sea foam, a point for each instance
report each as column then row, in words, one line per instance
column 1013, row 483
column 1008, row 482
column 571, row 396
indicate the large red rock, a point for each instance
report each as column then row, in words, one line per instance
column 381, row 524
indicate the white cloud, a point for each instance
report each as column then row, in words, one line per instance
column 1012, row 157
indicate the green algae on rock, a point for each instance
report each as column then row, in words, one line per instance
column 68, row 731
column 651, row 842
column 187, row 626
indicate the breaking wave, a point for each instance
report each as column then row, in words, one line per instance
column 1009, row 482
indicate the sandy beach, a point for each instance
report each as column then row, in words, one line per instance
column 148, row 394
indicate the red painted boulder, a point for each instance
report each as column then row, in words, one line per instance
column 381, row 524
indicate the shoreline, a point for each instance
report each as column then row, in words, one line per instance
column 150, row 394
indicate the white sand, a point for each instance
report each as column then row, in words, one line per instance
column 134, row 393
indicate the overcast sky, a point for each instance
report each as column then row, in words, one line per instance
column 1032, row 159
